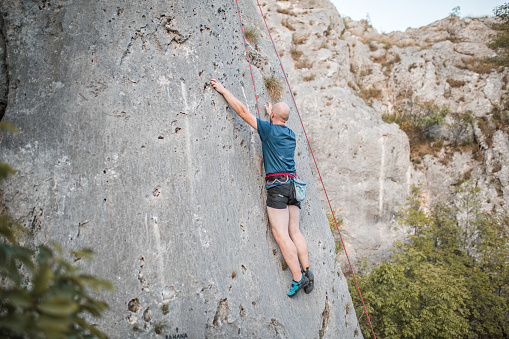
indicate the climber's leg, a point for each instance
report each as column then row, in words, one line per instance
column 279, row 219
column 297, row 237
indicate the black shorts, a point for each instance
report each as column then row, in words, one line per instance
column 281, row 196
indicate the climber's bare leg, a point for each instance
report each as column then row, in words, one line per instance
column 279, row 222
column 297, row 237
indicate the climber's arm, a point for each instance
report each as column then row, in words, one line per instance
column 235, row 103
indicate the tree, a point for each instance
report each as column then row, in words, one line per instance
column 500, row 41
column 461, row 128
column 456, row 11
column 448, row 279
column 43, row 294
column 418, row 120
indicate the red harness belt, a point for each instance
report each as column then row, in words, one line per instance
column 276, row 174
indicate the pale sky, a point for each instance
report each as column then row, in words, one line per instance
column 397, row 15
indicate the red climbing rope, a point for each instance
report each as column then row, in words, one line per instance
column 309, row 145
column 248, row 59
column 250, row 69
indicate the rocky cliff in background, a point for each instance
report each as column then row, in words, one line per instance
column 365, row 163
column 346, row 76
column 125, row 147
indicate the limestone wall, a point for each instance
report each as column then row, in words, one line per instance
column 125, row 147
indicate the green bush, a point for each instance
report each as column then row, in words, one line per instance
column 500, row 41
column 42, row 294
column 418, row 120
column 337, row 214
column 461, row 128
column 448, row 279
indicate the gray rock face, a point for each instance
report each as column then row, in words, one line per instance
column 125, row 147
column 4, row 84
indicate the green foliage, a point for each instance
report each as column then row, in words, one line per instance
column 502, row 12
column 430, row 115
column 334, row 228
column 460, row 126
column 456, row 11
column 500, row 41
column 6, row 170
column 418, row 120
column 499, row 120
column 42, row 294
column 160, row 327
column 449, row 279
column 501, row 116
column 166, row 307
column 5, row 126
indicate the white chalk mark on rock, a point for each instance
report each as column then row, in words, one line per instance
column 158, row 250
column 382, row 178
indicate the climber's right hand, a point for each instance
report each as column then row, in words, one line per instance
column 218, row 86
column 268, row 108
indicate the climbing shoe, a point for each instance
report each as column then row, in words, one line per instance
column 297, row 286
column 309, row 287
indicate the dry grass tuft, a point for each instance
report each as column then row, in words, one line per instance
column 251, row 35
column 387, row 43
column 286, row 23
column 389, row 64
column 299, row 39
column 455, row 83
column 382, row 59
column 286, row 11
column 303, row 64
column 310, row 77
column 365, row 72
column 370, row 94
column 295, row 54
column 274, row 87
column 353, row 86
column 479, row 66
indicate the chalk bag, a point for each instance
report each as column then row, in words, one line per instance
column 300, row 189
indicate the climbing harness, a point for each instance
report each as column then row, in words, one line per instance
column 277, row 174
column 287, row 177
column 298, row 183
column 307, row 139
column 277, row 180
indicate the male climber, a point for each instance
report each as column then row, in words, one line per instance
column 278, row 147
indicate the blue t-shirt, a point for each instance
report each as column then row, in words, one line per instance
column 278, row 147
